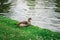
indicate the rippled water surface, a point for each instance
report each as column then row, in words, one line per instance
column 44, row 13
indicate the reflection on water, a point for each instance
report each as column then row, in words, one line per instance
column 44, row 13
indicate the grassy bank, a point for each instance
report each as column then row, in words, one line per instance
column 10, row 31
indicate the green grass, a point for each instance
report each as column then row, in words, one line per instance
column 10, row 31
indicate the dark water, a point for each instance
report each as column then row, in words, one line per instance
column 44, row 13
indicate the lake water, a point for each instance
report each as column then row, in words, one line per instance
column 44, row 13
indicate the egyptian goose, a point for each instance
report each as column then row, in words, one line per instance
column 25, row 23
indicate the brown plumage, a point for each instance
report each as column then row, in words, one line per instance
column 25, row 23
